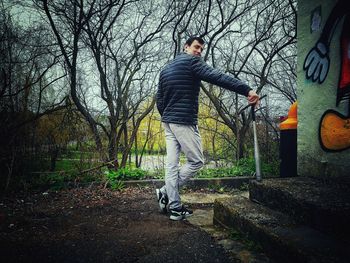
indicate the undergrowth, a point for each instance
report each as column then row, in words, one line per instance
column 115, row 178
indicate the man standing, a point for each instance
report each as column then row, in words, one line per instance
column 177, row 103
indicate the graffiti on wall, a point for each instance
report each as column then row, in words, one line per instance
column 334, row 129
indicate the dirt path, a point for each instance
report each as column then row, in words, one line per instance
column 99, row 225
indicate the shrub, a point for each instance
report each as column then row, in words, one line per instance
column 125, row 174
column 243, row 167
column 117, row 185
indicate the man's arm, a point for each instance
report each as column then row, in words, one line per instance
column 208, row 74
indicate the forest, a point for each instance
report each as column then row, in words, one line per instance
column 78, row 80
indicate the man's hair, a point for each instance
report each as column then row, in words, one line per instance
column 193, row 38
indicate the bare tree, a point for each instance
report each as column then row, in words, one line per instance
column 67, row 19
column 112, row 50
column 27, row 75
column 253, row 57
column 124, row 62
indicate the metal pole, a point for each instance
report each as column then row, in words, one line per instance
column 256, row 148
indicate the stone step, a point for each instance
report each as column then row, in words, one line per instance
column 321, row 204
column 203, row 199
column 279, row 235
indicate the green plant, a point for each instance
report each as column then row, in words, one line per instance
column 117, row 185
column 158, row 173
column 116, row 178
column 125, row 174
column 217, row 188
column 244, row 187
column 247, row 242
column 243, row 167
column 223, row 172
column 53, row 180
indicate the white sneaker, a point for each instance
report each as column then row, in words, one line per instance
column 162, row 201
column 180, row 213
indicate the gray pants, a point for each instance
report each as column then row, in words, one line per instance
column 185, row 138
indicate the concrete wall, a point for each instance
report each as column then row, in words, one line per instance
column 318, row 96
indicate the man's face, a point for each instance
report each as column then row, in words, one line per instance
column 195, row 48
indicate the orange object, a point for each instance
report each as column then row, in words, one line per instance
column 334, row 131
column 292, row 120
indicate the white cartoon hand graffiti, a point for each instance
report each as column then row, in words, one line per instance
column 316, row 63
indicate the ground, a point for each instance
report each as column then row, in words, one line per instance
column 99, row 225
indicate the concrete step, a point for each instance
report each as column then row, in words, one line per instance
column 202, row 205
column 197, row 200
column 321, row 204
column 279, row 235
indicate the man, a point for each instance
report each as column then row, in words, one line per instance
column 177, row 103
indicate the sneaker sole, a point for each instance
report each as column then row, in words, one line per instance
column 178, row 218
column 162, row 207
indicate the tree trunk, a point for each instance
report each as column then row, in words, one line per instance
column 54, row 155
